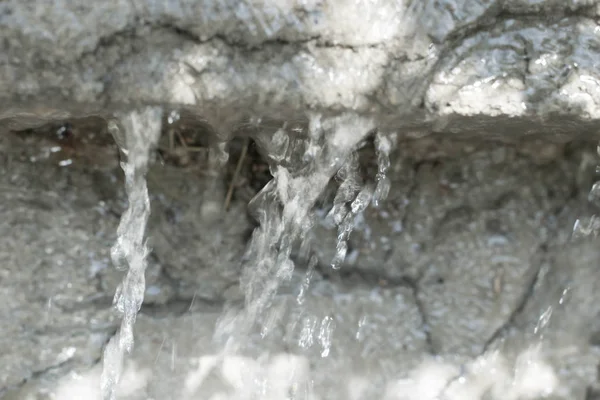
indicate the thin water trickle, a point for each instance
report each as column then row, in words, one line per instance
column 139, row 133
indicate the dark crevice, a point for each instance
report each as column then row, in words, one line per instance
column 270, row 42
column 551, row 14
column 130, row 32
column 486, row 20
column 425, row 326
column 526, row 57
column 361, row 277
column 497, row 16
column 521, row 304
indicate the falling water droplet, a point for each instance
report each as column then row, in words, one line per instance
column 361, row 327
column 174, row 116
column 340, row 254
column 565, row 295
column 543, row 321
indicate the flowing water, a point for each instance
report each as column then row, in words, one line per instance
column 307, row 166
column 139, row 134
column 284, row 209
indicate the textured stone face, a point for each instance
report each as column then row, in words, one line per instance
column 405, row 63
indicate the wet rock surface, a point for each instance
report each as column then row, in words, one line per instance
column 471, row 252
column 410, row 65
column 471, row 248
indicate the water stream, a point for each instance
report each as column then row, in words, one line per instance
column 302, row 168
column 137, row 136
column 284, row 209
column 304, row 165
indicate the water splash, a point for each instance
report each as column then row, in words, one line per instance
column 140, row 133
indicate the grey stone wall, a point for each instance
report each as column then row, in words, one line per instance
column 412, row 65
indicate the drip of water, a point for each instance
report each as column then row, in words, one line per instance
column 140, row 134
